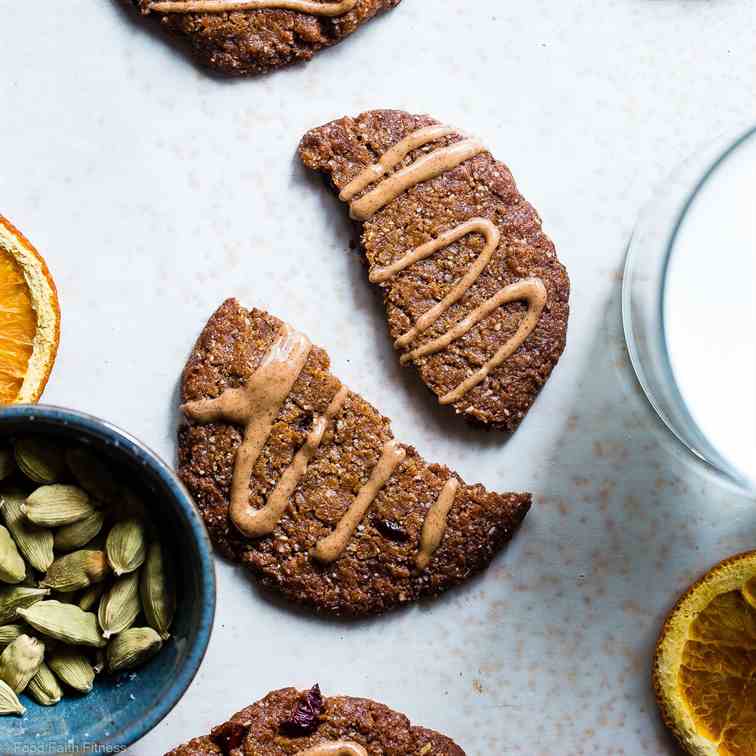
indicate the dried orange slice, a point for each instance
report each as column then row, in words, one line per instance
column 705, row 663
column 29, row 319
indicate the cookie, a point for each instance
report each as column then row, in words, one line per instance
column 288, row 722
column 475, row 296
column 239, row 37
column 301, row 480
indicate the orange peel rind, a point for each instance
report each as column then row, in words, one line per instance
column 29, row 319
column 704, row 670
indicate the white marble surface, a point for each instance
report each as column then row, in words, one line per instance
column 155, row 191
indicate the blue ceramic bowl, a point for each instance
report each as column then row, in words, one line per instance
column 122, row 709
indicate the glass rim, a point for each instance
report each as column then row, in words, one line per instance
column 710, row 456
column 720, row 460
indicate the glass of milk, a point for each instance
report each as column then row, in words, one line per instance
column 689, row 306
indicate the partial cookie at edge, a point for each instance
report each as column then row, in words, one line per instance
column 367, row 723
column 258, row 41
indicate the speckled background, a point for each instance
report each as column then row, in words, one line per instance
column 155, row 190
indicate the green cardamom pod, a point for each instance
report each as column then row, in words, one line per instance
column 91, row 596
column 9, row 703
column 132, row 647
column 119, row 607
column 56, row 505
column 18, row 597
column 39, row 459
column 92, row 474
column 12, row 566
column 64, row 622
column 76, row 571
column 44, row 687
column 80, row 533
column 72, row 668
column 9, row 633
column 157, row 590
column 7, row 465
column 20, row 661
column 125, row 546
column 35, row 543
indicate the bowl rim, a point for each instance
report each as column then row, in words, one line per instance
column 108, row 432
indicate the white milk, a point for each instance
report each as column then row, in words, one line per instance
column 710, row 308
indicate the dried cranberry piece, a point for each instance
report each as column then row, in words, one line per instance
column 306, row 716
column 391, row 530
column 228, row 736
column 304, row 421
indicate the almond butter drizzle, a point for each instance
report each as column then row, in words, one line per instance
column 329, row 549
column 530, row 290
column 424, row 168
column 427, row 319
column 263, row 521
column 254, row 406
column 334, row 748
column 392, row 157
column 223, row 6
column 434, row 526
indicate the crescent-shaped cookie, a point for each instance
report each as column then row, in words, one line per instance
column 302, row 481
column 475, row 296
